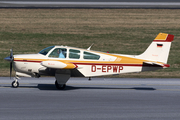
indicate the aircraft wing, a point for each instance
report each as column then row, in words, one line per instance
column 58, row 65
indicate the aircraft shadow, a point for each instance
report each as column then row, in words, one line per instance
column 52, row 87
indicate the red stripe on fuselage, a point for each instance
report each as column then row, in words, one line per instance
column 27, row 61
column 110, row 64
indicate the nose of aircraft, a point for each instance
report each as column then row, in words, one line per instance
column 10, row 59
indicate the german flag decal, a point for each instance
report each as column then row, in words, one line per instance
column 159, row 45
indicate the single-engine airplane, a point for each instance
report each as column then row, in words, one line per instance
column 64, row 62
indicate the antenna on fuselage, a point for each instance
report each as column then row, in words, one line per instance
column 90, row 46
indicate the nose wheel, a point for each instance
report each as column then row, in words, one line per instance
column 15, row 83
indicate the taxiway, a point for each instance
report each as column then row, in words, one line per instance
column 99, row 99
column 170, row 4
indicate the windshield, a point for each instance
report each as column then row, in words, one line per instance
column 46, row 50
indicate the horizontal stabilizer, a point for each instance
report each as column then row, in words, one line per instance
column 153, row 64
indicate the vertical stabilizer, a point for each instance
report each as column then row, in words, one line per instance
column 159, row 49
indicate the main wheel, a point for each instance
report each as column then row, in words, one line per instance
column 15, row 84
column 60, row 86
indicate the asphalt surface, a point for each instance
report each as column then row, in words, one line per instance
column 98, row 99
column 90, row 4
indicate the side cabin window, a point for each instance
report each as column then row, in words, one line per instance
column 58, row 53
column 74, row 54
column 88, row 55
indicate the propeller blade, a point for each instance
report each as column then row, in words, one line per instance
column 11, row 63
column 10, row 69
column 11, row 53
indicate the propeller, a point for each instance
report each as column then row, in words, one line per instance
column 10, row 59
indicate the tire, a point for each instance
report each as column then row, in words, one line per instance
column 15, row 84
column 60, row 86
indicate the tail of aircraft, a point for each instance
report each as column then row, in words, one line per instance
column 159, row 49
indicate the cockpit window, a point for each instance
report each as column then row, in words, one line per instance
column 46, row 50
column 58, row 53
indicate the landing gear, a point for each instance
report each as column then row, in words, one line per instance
column 60, row 86
column 15, row 83
column 62, row 76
